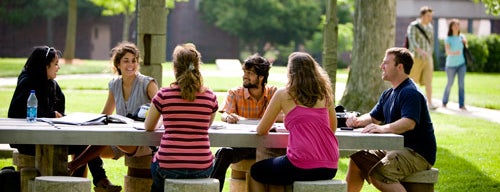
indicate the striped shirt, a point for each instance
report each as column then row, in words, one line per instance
column 418, row 40
column 185, row 143
column 240, row 102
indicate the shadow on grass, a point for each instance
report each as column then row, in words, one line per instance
column 457, row 174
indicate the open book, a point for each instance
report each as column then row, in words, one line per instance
column 80, row 118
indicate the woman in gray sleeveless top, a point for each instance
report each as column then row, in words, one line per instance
column 127, row 92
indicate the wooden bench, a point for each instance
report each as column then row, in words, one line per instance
column 191, row 185
column 320, row 185
column 62, row 183
column 422, row 181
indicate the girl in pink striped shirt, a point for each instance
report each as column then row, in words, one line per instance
column 187, row 109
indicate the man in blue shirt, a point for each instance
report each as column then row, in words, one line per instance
column 402, row 110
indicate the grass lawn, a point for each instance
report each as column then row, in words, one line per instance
column 468, row 148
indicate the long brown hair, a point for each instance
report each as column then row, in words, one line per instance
column 450, row 30
column 307, row 81
column 187, row 62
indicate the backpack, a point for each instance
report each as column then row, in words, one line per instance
column 10, row 180
column 406, row 43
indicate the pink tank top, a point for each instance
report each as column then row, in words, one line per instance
column 311, row 143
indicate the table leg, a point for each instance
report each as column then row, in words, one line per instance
column 52, row 160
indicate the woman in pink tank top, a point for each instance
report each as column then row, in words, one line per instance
column 307, row 102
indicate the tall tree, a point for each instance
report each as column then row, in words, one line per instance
column 127, row 9
column 330, row 33
column 69, row 49
column 54, row 9
column 374, row 31
column 258, row 22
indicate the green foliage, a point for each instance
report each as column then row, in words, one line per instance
column 126, row 7
column 480, row 53
column 284, row 51
column 344, row 43
column 21, row 12
column 315, row 44
column 493, row 43
column 345, row 37
column 492, row 6
column 345, row 11
column 116, row 7
column 258, row 22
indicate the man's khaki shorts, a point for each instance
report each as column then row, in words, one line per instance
column 422, row 69
column 389, row 166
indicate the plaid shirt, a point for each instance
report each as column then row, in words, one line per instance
column 240, row 102
column 418, row 40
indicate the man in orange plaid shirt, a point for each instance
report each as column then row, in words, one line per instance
column 247, row 102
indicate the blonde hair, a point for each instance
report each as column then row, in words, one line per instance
column 307, row 81
column 187, row 62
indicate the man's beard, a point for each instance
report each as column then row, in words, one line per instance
column 250, row 85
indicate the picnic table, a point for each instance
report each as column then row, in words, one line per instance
column 51, row 140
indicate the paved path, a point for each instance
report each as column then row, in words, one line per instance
column 488, row 114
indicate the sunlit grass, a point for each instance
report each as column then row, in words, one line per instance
column 467, row 156
column 481, row 89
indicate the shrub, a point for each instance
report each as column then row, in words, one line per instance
column 480, row 53
column 493, row 45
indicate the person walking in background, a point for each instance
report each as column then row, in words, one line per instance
column 421, row 38
column 455, row 62
column 187, row 109
column 400, row 110
column 39, row 74
column 307, row 102
column 127, row 93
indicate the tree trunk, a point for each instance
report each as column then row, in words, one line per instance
column 69, row 50
column 128, row 18
column 330, row 33
column 50, row 31
column 374, row 32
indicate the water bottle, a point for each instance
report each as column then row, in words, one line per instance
column 32, row 107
